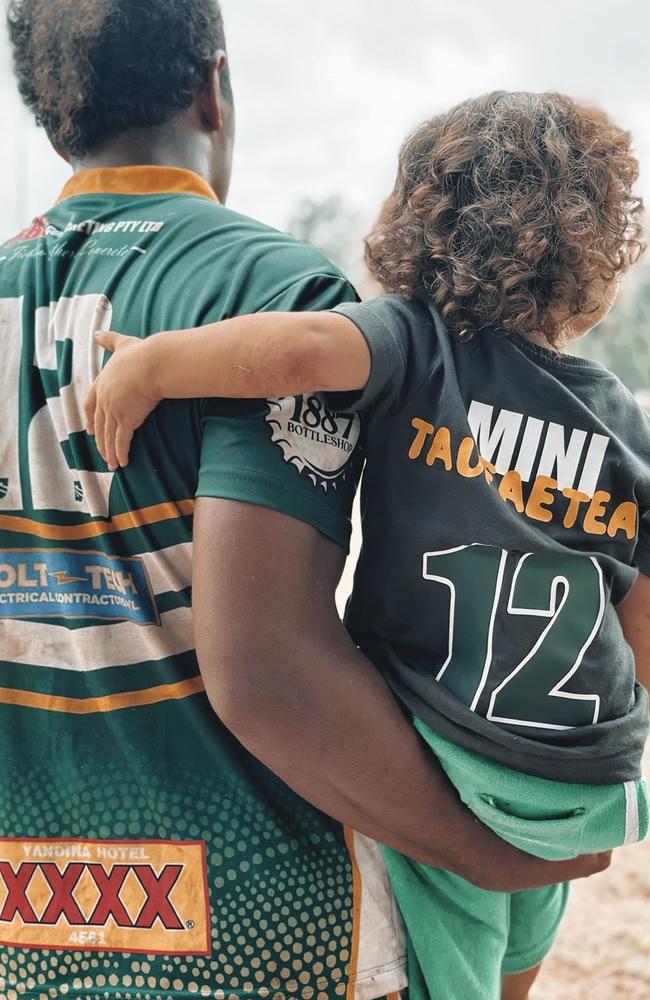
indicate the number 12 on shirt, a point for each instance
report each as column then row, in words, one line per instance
column 568, row 591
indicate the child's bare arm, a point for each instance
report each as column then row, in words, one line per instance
column 634, row 615
column 269, row 354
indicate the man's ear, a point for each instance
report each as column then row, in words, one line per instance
column 62, row 153
column 210, row 94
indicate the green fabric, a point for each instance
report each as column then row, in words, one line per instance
column 140, row 264
column 554, row 820
column 463, row 939
column 307, row 465
column 165, row 772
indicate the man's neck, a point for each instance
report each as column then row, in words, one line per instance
column 152, row 147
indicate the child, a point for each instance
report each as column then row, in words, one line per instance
column 506, row 500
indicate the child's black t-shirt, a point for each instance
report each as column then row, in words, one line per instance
column 506, row 510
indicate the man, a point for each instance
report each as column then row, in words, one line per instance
column 145, row 853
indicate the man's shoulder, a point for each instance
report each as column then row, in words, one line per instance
column 243, row 234
column 260, row 267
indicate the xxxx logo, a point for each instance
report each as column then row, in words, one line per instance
column 147, row 896
column 62, row 902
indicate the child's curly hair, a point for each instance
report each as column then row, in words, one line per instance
column 510, row 211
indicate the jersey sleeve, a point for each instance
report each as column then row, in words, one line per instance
column 401, row 338
column 291, row 454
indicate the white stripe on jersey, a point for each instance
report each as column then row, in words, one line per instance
column 118, row 644
column 169, row 569
column 121, row 645
column 381, row 957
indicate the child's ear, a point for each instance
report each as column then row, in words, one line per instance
column 62, row 153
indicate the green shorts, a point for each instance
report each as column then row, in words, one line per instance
column 463, row 939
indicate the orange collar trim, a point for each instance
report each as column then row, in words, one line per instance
column 141, row 180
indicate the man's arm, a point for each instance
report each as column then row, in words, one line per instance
column 634, row 615
column 283, row 675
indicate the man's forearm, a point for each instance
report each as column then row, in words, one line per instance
column 305, row 701
column 325, row 722
column 345, row 747
column 338, row 738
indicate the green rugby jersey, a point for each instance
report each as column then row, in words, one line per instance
column 506, row 511
column 143, row 852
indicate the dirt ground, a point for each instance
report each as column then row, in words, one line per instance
column 603, row 952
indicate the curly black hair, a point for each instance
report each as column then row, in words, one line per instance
column 93, row 69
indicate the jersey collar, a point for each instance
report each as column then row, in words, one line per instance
column 139, row 180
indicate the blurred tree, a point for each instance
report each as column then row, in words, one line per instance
column 330, row 226
column 622, row 341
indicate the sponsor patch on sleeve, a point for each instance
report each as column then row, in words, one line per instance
column 320, row 443
column 61, row 583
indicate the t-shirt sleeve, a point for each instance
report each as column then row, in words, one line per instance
column 291, row 454
column 401, row 339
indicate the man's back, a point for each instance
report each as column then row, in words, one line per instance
column 143, row 262
column 133, row 821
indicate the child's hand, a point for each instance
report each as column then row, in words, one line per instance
column 120, row 399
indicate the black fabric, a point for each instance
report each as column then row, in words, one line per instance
column 506, row 511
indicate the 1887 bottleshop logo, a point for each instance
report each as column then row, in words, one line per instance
column 312, row 437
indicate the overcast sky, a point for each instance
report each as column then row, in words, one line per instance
column 326, row 92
